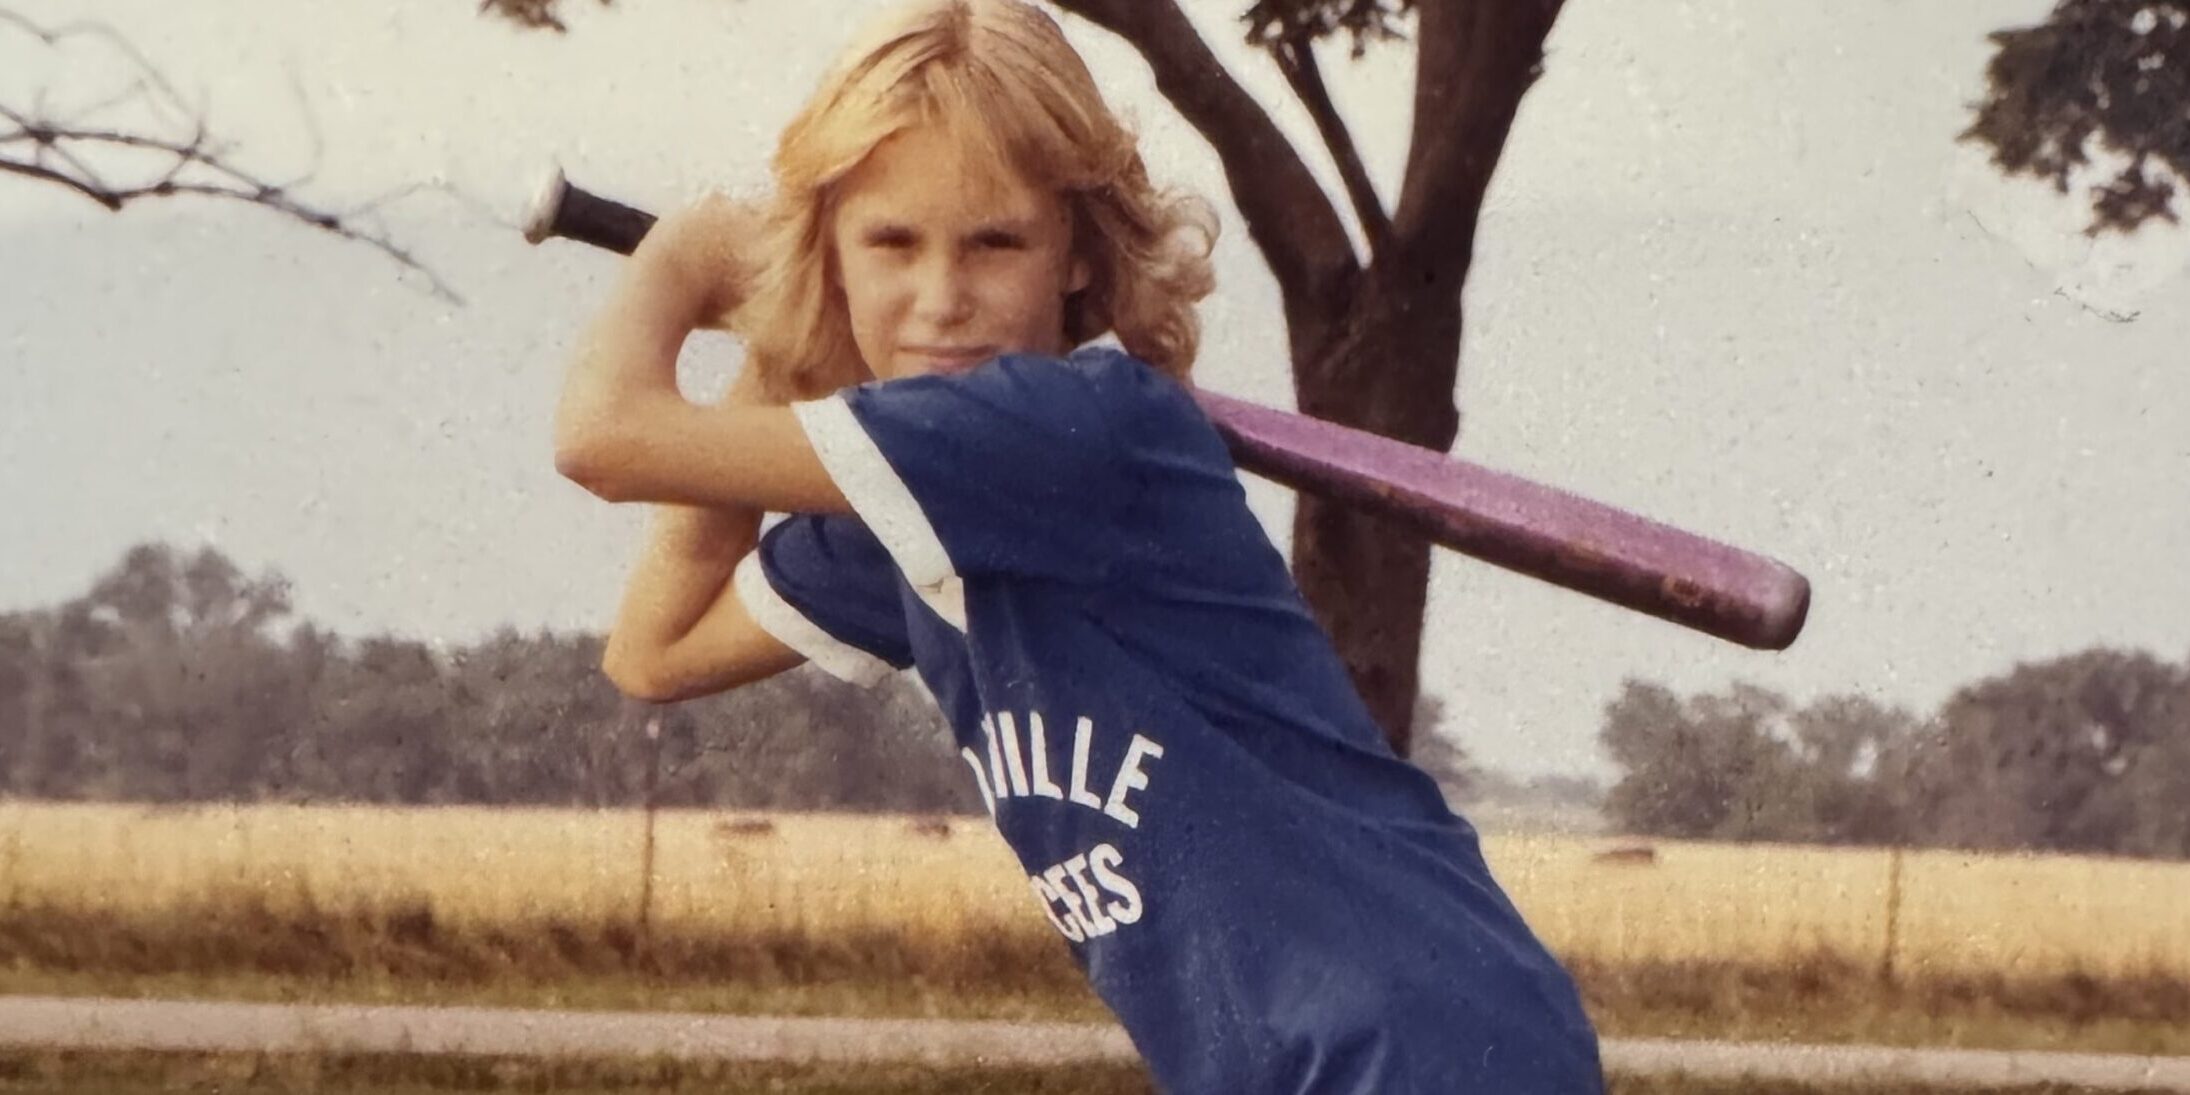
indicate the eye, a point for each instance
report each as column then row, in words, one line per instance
column 888, row 238
column 997, row 239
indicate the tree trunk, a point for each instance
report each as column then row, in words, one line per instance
column 1387, row 364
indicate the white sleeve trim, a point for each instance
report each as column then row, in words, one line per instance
column 777, row 617
column 874, row 489
column 881, row 498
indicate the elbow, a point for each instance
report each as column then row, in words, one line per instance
column 637, row 678
column 579, row 458
column 587, row 443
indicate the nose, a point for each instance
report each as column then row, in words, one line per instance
column 946, row 293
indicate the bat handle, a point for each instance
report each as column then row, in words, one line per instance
column 560, row 209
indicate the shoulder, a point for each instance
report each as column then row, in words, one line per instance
column 1131, row 392
column 1143, row 402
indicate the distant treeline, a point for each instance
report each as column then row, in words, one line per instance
column 170, row 681
column 2087, row 753
column 178, row 678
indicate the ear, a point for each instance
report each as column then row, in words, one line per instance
column 1078, row 276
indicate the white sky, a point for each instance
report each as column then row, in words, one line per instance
column 1736, row 275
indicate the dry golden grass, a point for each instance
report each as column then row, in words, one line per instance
column 1960, row 912
column 818, row 877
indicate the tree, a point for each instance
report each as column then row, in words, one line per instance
column 185, row 688
column 79, row 156
column 1851, row 753
column 1708, row 768
column 2115, row 73
column 2085, row 753
column 1375, row 337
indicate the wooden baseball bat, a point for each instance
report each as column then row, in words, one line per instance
column 1540, row 531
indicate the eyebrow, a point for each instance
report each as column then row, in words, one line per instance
column 888, row 229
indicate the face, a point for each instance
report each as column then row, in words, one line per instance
column 945, row 261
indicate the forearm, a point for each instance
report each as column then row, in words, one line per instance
column 686, row 563
column 682, row 570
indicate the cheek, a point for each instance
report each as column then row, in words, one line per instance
column 870, row 296
column 1034, row 290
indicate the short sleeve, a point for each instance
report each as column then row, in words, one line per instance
column 823, row 586
column 1009, row 468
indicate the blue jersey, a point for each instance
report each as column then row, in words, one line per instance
column 1268, row 898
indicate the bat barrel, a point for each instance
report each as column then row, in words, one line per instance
column 1525, row 527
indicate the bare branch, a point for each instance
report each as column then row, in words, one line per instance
column 1296, row 58
column 82, row 169
column 53, row 37
column 1475, row 60
column 311, row 122
column 135, row 90
column 36, row 172
column 1287, row 214
column 197, row 166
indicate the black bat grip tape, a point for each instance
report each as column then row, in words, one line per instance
column 590, row 218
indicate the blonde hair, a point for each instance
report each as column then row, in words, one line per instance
column 1000, row 75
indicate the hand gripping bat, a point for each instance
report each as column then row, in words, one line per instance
column 1502, row 519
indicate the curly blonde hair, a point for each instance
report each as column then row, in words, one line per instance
column 1000, row 75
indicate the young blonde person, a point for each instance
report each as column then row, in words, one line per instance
column 1054, row 537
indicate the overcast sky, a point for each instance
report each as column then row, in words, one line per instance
column 1735, row 275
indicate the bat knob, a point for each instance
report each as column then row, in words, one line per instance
column 538, row 219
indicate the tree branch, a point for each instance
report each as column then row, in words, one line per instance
column 50, row 140
column 36, row 172
column 1288, row 216
column 1297, row 60
column 1475, row 60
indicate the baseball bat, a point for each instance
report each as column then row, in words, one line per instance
column 1502, row 519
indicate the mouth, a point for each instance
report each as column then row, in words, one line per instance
column 954, row 358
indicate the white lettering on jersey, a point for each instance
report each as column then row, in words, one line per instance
column 1038, row 756
column 1080, row 738
column 1022, row 768
column 996, row 760
column 1077, row 868
column 1070, row 895
column 1047, row 895
column 1103, row 860
column 1087, row 915
column 1009, row 732
column 1131, row 778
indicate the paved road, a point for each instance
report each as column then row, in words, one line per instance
column 78, row 1022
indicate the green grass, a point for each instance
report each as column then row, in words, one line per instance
column 140, row 1073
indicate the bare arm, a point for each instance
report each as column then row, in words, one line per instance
column 622, row 430
column 681, row 630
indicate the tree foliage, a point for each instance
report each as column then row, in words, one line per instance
column 2085, row 753
column 2108, row 73
column 168, row 681
column 1364, row 21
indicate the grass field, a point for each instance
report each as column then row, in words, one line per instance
column 893, row 915
column 820, row 876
